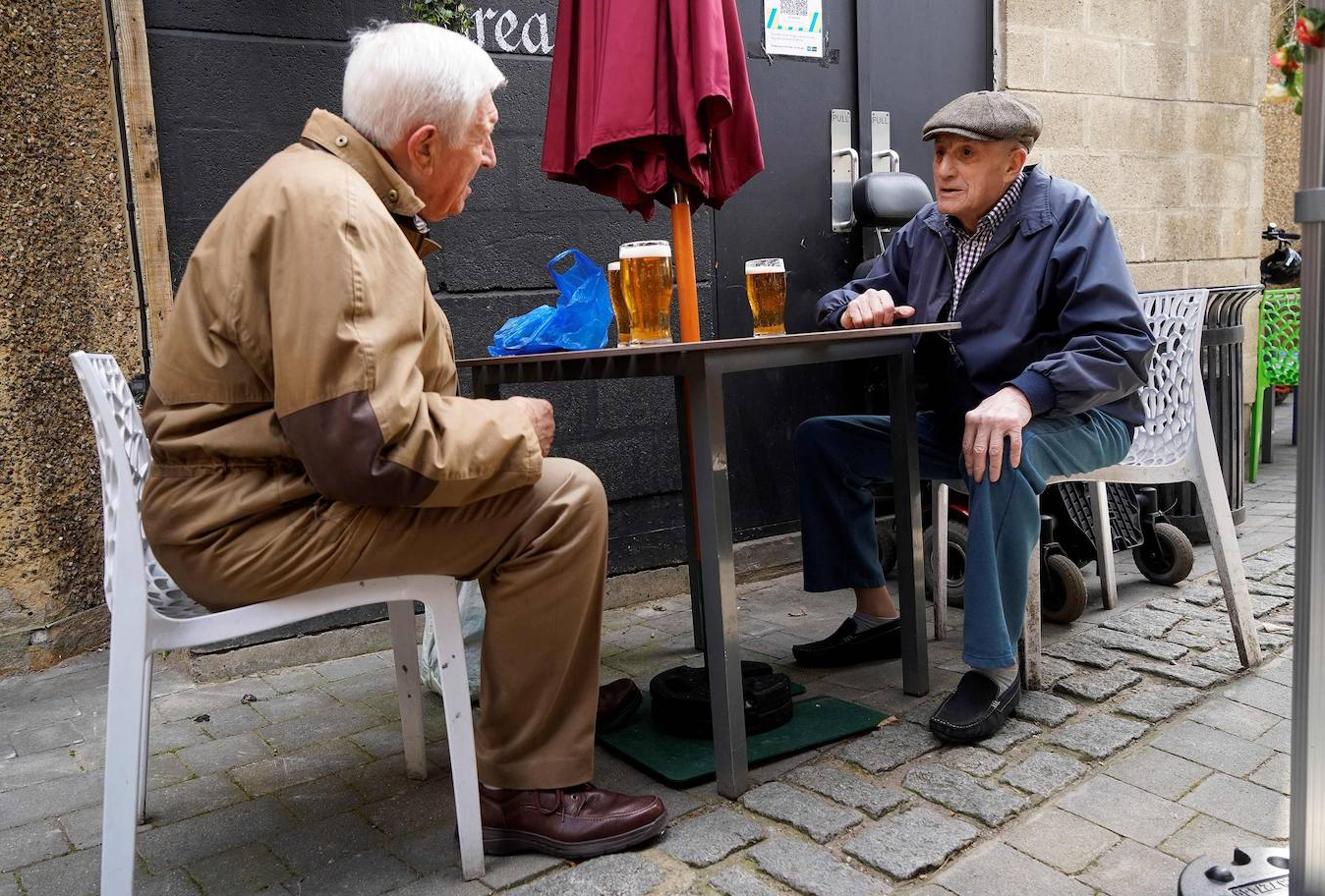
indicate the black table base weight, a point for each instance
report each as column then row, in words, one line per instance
column 698, row 370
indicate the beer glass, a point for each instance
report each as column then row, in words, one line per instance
column 618, row 304
column 766, row 288
column 646, row 284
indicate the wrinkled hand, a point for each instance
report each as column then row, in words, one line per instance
column 540, row 415
column 874, row 308
column 1001, row 416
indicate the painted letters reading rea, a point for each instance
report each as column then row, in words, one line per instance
column 502, row 30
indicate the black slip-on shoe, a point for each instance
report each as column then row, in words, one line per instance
column 975, row 710
column 848, row 645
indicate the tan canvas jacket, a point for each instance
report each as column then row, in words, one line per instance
column 306, row 362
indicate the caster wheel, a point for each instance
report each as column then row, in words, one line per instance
column 957, row 540
column 1062, row 590
column 1169, row 560
column 886, row 529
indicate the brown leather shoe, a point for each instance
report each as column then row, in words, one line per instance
column 570, row 822
column 617, row 703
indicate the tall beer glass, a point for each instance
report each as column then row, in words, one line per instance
column 618, row 304
column 646, row 283
column 766, row 288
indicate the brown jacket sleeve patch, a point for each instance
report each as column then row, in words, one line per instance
column 341, row 446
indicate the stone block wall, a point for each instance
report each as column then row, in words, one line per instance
column 1152, row 105
column 66, row 283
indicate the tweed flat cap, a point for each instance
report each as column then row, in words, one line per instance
column 987, row 115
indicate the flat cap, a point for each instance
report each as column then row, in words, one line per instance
column 987, row 115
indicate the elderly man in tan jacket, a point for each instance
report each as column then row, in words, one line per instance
column 306, row 430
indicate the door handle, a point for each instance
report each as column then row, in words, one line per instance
column 850, row 220
column 894, row 160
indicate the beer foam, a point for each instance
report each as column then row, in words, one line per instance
column 646, row 250
column 614, row 265
column 765, row 266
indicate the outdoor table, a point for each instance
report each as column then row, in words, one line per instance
column 697, row 369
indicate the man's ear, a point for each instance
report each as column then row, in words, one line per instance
column 1017, row 159
column 422, row 147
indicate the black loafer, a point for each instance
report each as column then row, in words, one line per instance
column 848, row 646
column 975, row 710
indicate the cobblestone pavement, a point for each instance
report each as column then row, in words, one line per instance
column 1151, row 749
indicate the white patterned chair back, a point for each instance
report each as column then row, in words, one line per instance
column 1169, row 398
column 120, row 433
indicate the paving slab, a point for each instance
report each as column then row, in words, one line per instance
column 368, row 873
column 1182, row 673
column 320, row 798
column 973, row 761
column 1013, row 732
column 740, row 882
column 1206, row 836
column 848, row 788
column 508, row 871
column 310, row 847
column 813, row 870
column 1234, row 718
column 182, row 842
column 962, row 793
column 1144, row 623
column 999, row 870
column 47, row 800
column 1131, row 869
column 32, row 843
column 1211, row 747
column 1274, row 774
column 1045, row 708
column 1156, row 703
column 1060, row 839
column 1195, row 641
column 1087, row 653
column 1126, row 810
column 1115, row 640
column 623, row 874
column 701, row 840
column 278, row 772
column 1160, row 773
column 39, row 768
column 888, row 747
column 1099, row 736
column 814, row 815
column 909, row 843
column 47, row 737
column 1252, row 807
column 75, row 874
column 1264, row 694
column 1279, row 738
column 1044, row 772
column 1052, row 669
column 243, row 870
column 1098, row 686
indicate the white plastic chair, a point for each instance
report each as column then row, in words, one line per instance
column 1175, row 444
column 150, row 613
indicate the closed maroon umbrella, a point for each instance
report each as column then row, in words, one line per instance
column 650, row 101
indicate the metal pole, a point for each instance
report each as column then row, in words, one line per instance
column 1307, row 835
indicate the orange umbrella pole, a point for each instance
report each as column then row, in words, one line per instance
column 683, row 247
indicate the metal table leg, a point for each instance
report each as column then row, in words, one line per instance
column 712, row 503
column 687, row 461
column 906, row 491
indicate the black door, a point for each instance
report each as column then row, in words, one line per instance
column 879, row 56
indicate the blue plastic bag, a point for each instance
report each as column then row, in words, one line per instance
column 580, row 320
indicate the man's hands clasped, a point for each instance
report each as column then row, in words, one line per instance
column 1001, row 416
column 874, row 308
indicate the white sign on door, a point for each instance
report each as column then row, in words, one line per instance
column 794, row 28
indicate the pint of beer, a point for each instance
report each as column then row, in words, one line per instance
column 646, row 283
column 766, row 288
column 618, row 304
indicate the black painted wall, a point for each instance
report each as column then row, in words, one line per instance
column 233, row 83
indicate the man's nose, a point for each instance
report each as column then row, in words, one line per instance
column 489, row 155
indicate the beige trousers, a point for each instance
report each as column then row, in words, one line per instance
column 540, row 555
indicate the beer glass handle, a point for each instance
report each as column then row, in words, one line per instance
column 855, row 174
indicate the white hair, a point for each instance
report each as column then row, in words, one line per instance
column 404, row 75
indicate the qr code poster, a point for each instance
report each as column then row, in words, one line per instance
column 794, row 28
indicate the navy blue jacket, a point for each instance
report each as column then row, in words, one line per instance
column 1050, row 308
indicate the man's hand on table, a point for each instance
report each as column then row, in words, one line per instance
column 1001, row 416
column 540, row 415
column 874, row 308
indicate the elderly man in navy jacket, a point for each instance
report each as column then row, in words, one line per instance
column 1040, row 380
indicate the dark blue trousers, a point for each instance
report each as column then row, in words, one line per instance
column 838, row 458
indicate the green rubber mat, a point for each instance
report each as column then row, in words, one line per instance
column 682, row 762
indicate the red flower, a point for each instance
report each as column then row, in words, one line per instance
column 1282, row 60
column 1308, row 33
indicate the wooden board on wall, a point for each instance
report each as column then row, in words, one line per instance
column 149, row 218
